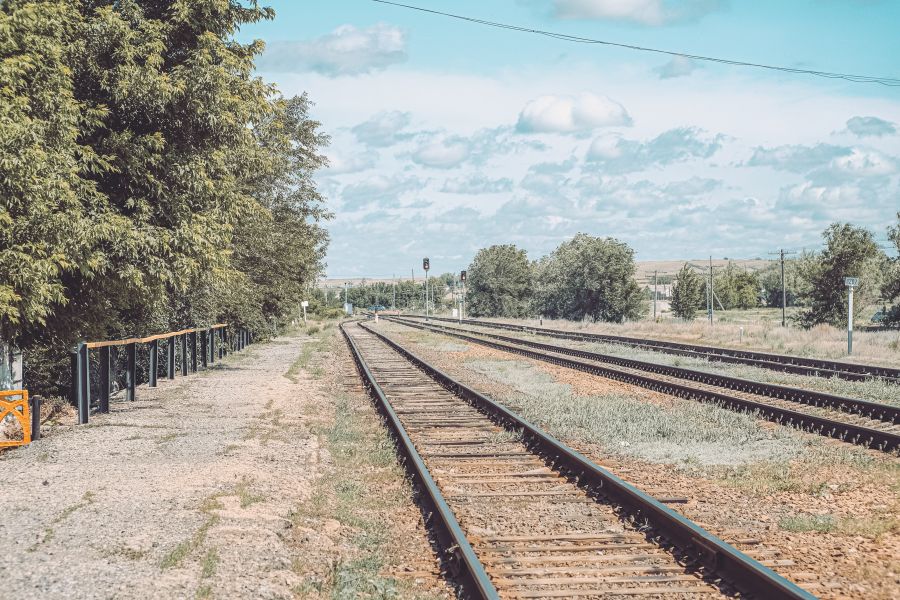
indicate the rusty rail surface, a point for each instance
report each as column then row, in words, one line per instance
column 655, row 550
column 883, row 437
column 778, row 362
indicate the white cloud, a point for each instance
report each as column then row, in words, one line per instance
column 340, row 164
column 348, row 50
column 443, row 153
column 380, row 190
column 645, row 12
column 679, row 66
column 617, row 155
column 477, row 183
column 796, row 158
column 571, row 114
column 382, row 129
column 870, row 126
column 865, row 163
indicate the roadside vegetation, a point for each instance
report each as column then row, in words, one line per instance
column 359, row 524
column 149, row 181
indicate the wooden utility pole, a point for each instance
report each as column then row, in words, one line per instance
column 782, row 252
column 654, row 293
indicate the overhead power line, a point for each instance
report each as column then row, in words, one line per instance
column 888, row 81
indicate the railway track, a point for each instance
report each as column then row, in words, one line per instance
column 524, row 516
column 778, row 362
column 860, row 422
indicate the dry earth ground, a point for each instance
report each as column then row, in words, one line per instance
column 832, row 509
column 250, row 480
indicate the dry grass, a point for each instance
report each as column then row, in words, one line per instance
column 687, row 432
column 875, row 390
column 823, row 341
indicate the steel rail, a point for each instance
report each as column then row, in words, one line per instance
column 777, row 362
column 848, row 432
column 734, row 566
column 475, row 579
column 874, row 410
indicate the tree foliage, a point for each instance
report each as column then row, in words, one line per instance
column 688, row 293
column 735, row 288
column 147, row 179
column 849, row 252
column 499, row 283
column 589, row 277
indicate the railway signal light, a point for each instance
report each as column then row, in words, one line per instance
column 426, row 264
column 462, row 275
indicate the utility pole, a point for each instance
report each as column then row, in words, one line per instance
column 426, row 264
column 782, row 253
column 394, row 287
column 711, row 291
column 654, row 293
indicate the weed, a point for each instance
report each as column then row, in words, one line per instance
column 801, row 523
column 626, row 425
column 210, row 563
column 245, row 496
column 183, row 549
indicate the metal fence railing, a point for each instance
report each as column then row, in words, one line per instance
column 195, row 348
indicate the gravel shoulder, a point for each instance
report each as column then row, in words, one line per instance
column 200, row 489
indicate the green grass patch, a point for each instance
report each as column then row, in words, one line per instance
column 310, row 351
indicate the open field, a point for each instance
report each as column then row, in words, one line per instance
column 822, row 341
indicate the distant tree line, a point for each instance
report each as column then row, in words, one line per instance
column 814, row 281
column 584, row 278
column 148, row 181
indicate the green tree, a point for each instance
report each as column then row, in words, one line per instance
column 849, row 252
column 148, row 180
column 499, row 283
column 46, row 202
column 589, row 277
column 687, row 295
column 735, row 288
column 891, row 290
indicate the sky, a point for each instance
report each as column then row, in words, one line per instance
column 448, row 136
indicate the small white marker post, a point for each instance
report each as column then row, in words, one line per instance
column 850, row 282
column 304, row 304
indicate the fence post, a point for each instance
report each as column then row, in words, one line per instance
column 82, row 383
column 73, row 370
column 184, row 355
column 104, row 379
column 223, row 346
column 170, row 363
column 193, row 337
column 211, row 336
column 203, row 348
column 131, row 371
column 154, row 363
column 35, row 418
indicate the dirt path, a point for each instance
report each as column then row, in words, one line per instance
column 192, row 491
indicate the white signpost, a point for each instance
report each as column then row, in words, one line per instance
column 850, row 282
column 304, row 304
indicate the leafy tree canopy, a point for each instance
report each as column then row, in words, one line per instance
column 499, row 283
column 589, row 277
column 688, row 293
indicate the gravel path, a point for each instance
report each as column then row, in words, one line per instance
column 185, row 493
